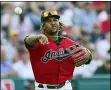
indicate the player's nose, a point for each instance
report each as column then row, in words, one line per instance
column 52, row 22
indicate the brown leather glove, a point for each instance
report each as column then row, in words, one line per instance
column 80, row 55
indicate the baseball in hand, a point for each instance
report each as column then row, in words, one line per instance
column 18, row 10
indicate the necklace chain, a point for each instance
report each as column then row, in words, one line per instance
column 54, row 36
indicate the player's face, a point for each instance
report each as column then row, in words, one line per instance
column 51, row 25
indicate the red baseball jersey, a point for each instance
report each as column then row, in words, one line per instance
column 51, row 63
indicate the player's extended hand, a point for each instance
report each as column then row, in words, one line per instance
column 80, row 55
column 42, row 39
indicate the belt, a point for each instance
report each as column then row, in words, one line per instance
column 52, row 87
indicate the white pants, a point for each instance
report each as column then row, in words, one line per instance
column 67, row 86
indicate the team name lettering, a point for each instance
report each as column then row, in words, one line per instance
column 56, row 55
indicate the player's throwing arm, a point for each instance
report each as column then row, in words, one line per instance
column 32, row 39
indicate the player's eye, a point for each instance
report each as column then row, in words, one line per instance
column 55, row 19
column 48, row 20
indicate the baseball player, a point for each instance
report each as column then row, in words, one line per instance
column 54, row 57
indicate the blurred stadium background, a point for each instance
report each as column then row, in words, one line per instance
column 87, row 22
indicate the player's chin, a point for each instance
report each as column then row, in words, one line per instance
column 54, row 32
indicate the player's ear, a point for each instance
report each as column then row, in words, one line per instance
column 62, row 26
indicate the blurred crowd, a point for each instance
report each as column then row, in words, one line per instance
column 87, row 22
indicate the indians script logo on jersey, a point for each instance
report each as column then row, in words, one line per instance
column 57, row 55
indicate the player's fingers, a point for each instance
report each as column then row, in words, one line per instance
column 41, row 36
column 40, row 41
column 43, row 41
column 44, row 38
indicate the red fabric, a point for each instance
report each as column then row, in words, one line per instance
column 97, row 3
column 105, row 26
column 53, row 71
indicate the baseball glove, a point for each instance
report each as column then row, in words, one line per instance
column 80, row 54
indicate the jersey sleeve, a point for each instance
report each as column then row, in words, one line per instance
column 32, row 47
